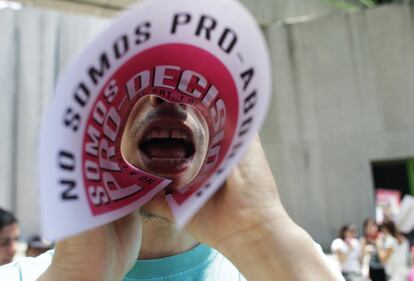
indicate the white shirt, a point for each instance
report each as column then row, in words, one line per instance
column 353, row 252
column 398, row 261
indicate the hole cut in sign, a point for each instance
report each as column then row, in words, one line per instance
column 166, row 139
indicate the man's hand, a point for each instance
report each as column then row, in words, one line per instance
column 246, row 221
column 248, row 200
column 106, row 253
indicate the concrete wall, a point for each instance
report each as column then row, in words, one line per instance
column 342, row 98
column 268, row 11
column 265, row 11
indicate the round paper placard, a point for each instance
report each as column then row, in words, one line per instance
column 167, row 97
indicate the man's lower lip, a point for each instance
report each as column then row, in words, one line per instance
column 166, row 165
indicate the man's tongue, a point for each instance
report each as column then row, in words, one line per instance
column 165, row 148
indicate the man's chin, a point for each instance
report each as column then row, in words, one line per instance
column 155, row 208
column 148, row 215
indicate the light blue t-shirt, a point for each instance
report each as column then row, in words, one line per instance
column 201, row 263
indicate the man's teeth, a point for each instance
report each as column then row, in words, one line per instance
column 165, row 134
column 159, row 134
column 178, row 134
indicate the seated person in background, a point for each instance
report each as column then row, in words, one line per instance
column 393, row 251
column 37, row 245
column 348, row 251
column 9, row 234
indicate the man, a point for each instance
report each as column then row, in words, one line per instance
column 9, row 235
column 244, row 221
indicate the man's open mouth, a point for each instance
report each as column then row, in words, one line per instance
column 167, row 150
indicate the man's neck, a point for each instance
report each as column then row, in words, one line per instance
column 161, row 238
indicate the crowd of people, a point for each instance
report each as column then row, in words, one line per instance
column 9, row 240
column 381, row 254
